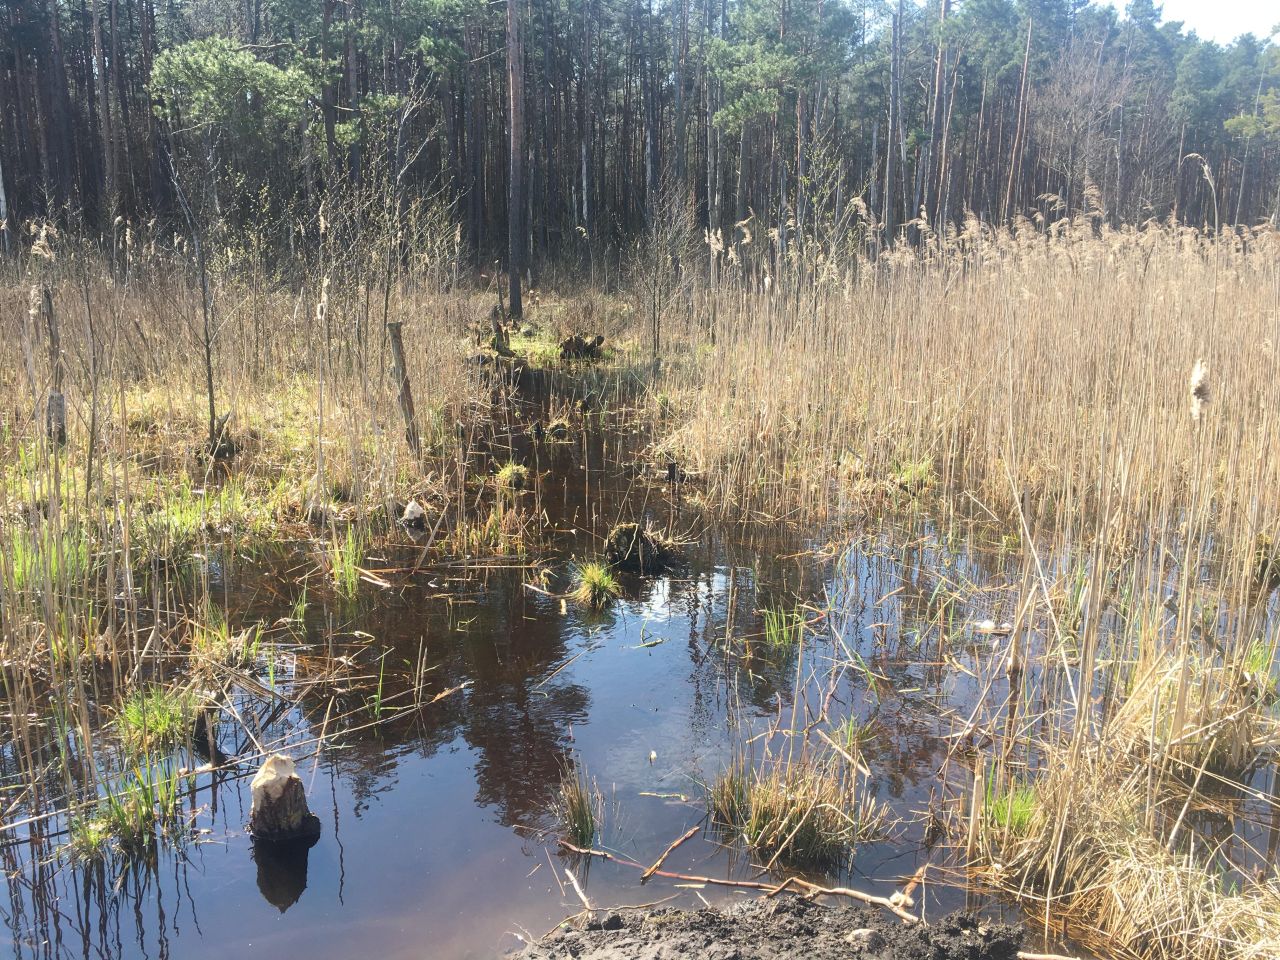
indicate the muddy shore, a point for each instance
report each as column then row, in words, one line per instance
column 789, row 929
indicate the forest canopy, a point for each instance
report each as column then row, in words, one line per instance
column 783, row 110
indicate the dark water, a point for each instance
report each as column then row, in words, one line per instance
column 438, row 841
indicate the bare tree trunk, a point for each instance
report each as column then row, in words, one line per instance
column 104, row 114
column 933, row 182
column 1015, row 158
column 680, row 45
column 400, row 372
column 55, row 418
column 888, row 215
column 4, row 206
column 515, row 180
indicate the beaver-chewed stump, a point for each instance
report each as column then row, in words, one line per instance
column 279, row 813
column 578, row 347
column 638, row 549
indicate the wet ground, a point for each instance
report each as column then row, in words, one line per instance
column 438, row 839
column 778, row 930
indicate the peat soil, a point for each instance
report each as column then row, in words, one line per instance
column 790, row 929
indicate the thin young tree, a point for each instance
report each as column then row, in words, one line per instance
column 515, row 179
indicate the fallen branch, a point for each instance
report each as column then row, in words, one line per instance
column 810, row 889
column 666, row 853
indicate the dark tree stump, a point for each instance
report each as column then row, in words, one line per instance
column 637, row 549
column 279, row 813
column 579, row 347
column 55, row 419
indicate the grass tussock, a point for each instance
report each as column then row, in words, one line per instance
column 132, row 814
column 579, row 807
column 804, row 809
column 783, row 628
column 156, row 718
column 1200, row 713
column 345, row 555
column 512, row 476
column 597, row 586
column 1116, row 863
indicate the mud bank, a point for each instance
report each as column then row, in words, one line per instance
column 777, row 930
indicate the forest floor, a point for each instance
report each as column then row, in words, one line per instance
column 776, row 930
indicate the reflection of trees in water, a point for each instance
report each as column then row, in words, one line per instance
column 519, row 729
column 56, row 908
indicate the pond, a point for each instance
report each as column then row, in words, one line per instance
column 434, row 716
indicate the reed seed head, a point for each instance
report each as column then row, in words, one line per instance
column 1199, row 388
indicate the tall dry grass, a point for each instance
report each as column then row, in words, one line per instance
column 1005, row 369
column 1108, row 402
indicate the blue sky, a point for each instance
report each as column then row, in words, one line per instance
column 1221, row 20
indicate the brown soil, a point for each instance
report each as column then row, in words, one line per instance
column 777, row 930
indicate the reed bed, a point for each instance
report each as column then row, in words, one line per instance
column 1003, row 370
column 1101, row 405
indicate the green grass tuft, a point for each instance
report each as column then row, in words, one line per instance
column 513, row 476
column 597, row 586
column 579, row 807
column 131, row 815
column 1011, row 810
column 783, row 629
column 154, row 718
column 345, row 555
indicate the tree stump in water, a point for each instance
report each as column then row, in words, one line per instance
column 638, row 549
column 279, row 813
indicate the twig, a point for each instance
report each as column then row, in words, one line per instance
column 667, row 852
column 578, row 889
column 811, row 889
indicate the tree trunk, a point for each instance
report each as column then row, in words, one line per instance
column 104, row 116
column 400, row 372
column 515, row 180
column 55, row 422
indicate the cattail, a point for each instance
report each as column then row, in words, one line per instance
column 1199, row 388
column 322, row 307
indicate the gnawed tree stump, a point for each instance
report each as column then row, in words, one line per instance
column 279, row 813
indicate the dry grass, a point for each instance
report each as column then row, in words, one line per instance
column 1221, row 724
column 1112, row 858
column 1000, row 370
column 804, row 808
column 1105, row 401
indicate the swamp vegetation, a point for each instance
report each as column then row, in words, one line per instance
column 936, row 578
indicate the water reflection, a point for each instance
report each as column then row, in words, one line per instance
column 282, row 871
